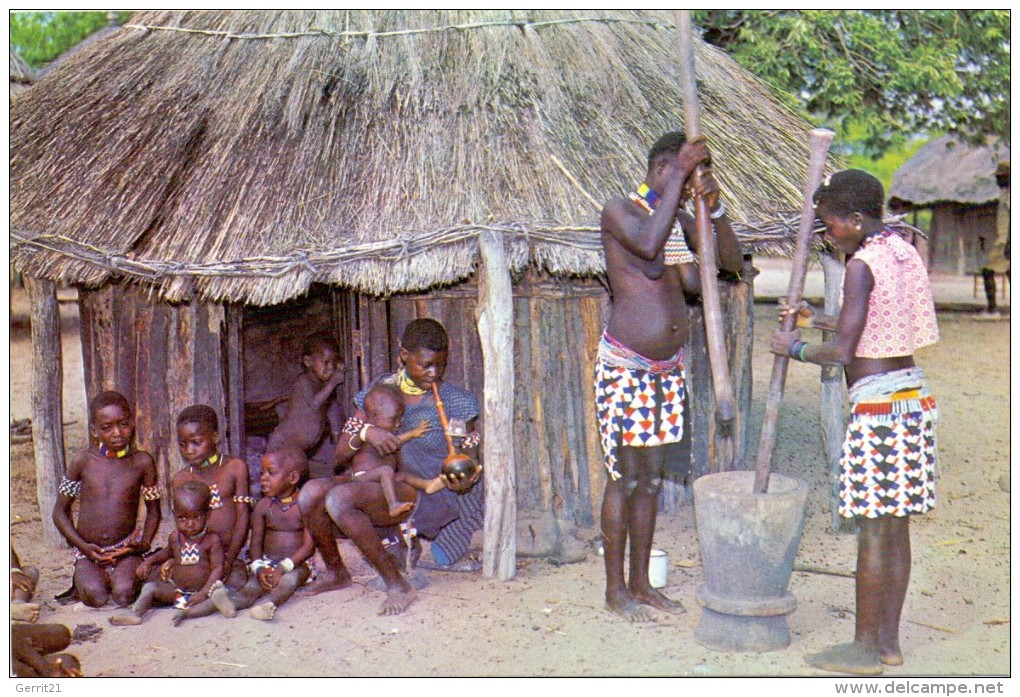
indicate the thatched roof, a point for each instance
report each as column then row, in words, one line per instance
column 22, row 75
column 244, row 155
column 948, row 170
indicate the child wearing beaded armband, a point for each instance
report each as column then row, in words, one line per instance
column 198, row 439
column 109, row 480
column 196, row 553
column 889, row 457
column 281, row 548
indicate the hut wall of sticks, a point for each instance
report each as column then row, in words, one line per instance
column 956, row 181
column 196, row 174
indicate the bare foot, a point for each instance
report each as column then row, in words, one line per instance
column 399, row 507
column 398, row 597
column 891, row 655
column 651, row 596
column 125, row 620
column 435, row 485
column 263, row 611
column 221, row 599
column 327, row 581
column 624, row 605
column 24, row 612
column 854, row 658
column 179, row 617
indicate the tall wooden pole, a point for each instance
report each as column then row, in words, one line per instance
column 495, row 318
column 724, row 403
column 820, row 141
column 47, row 400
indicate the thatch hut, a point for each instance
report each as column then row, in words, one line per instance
column 956, row 181
column 219, row 184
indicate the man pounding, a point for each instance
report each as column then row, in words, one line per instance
column 639, row 374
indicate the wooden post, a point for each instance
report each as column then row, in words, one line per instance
column 234, row 370
column 831, row 415
column 739, row 317
column 495, row 318
column 47, row 401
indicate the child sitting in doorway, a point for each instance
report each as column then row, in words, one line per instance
column 312, row 406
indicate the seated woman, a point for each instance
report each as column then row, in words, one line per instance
column 448, row 517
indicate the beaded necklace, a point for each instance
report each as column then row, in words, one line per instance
column 645, row 197
column 285, row 502
column 676, row 249
column 212, row 460
column 407, row 385
column 116, row 454
column 190, row 548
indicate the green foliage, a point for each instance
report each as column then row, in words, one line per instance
column 39, row 37
column 886, row 74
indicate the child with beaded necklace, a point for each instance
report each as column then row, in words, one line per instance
column 108, row 480
column 281, row 548
column 196, row 553
column 227, row 478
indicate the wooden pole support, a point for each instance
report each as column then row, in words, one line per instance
column 820, row 141
column 47, row 401
column 495, row 318
column 724, row 403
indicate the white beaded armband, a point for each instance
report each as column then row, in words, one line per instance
column 69, row 488
column 287, row 565
column 150, row 493
column 244, row 499
column 472, row 439
column 718, row 212
column 257, row 564
column 352, row 426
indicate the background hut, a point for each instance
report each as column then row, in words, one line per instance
column 956, row 181
column 218, row 185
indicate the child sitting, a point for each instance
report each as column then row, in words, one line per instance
column 198, row 439
column 280, row 547
column 108, row 480
column 384, row 409
column 197, row 555
column 306, row 422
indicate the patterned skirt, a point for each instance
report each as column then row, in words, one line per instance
column 889, row 455
column 637, row 408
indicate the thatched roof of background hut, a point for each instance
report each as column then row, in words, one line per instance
column 22, row 75
column 948, row 170
column 244, row 155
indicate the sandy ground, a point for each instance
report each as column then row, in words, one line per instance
column 549, row 620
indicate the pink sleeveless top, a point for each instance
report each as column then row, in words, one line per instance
column 901, row 309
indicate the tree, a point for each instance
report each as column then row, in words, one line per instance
column 39, row 37
column 885, row 74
